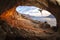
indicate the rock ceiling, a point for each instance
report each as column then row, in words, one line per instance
column 50, row 5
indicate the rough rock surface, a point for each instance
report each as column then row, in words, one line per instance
column 14, row 27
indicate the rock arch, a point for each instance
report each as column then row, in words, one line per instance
column 45, row 4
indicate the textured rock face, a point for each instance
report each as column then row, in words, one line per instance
column 15, row 26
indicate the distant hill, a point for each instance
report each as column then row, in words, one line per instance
column 50, row 16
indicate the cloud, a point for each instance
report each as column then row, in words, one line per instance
column 32, row 11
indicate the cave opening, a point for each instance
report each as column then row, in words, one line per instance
column 38, row 14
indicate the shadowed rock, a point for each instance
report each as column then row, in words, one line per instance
column 14, row 26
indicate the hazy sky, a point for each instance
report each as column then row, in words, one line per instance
column 32, row 11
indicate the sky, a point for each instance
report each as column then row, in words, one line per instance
column 32, row 11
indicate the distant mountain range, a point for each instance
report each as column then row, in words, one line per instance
column 50, row 16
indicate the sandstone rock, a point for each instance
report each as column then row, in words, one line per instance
column 18, row 27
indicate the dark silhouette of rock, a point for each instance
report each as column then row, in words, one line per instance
column 54, row 28
column 46, row 25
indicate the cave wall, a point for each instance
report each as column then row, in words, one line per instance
column 5, row 5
